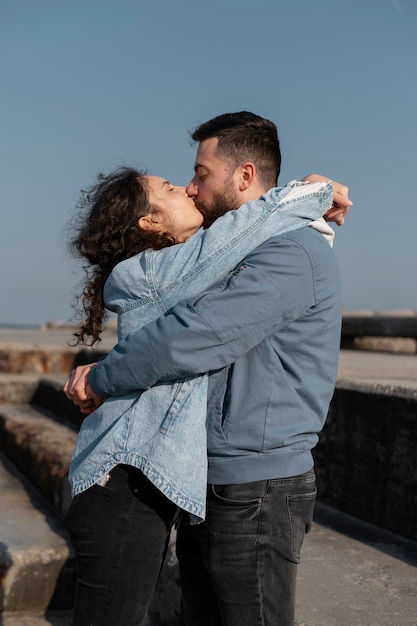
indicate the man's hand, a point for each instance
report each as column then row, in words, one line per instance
column 341, row 202
column 78, row 390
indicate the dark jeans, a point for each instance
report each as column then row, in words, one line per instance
column 120, row 533
column 238, row 568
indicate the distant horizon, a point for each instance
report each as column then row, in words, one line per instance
column 60, row 324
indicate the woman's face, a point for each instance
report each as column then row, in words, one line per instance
column 173, row 211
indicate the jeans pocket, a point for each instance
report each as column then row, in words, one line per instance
column 240, row 494
column 86, row 512
column 300, row 512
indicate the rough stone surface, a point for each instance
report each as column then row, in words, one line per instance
column 40, row 448
column 18, row 358
column 35, row 549
column 17, row 389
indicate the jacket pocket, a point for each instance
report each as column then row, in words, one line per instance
column 182, row 391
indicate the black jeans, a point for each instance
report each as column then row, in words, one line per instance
column 238, row 568
column 121, row 533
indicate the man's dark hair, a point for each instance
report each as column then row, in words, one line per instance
column 244, row 136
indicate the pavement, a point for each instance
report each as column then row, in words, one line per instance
column 355, row 574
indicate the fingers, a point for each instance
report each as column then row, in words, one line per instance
column 336, row 215
column 341, row 204
column 97, row 400
column 341, row 196
column 87, row 407
column 68, row 384
column 75, row 387
column 338, row 219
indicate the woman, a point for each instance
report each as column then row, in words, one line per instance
column 141, row 459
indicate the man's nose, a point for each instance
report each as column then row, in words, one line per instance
column 192, row 189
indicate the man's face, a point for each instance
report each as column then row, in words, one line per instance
column 214, row 186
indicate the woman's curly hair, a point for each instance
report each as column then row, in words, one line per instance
column 107, row 232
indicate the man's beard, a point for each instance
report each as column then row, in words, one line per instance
column 222, row 202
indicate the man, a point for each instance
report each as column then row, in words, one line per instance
column 269, row 334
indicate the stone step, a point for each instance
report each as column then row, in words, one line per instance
column 17, row 388
column 49, row 395
column 46, row 392
column 37, row 563
column 41, row 448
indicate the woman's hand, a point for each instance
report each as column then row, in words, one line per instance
column 341, row 201
column 78, row 390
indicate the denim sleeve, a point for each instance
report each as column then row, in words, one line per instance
column 207, row 256
column 272, row 287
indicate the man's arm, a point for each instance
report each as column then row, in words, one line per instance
column 267, row 291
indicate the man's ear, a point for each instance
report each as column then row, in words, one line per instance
column 150, row 222
column 247, row 175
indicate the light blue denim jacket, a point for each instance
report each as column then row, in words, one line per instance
column 161, row 431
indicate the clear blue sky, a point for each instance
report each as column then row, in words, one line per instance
column 87, row 85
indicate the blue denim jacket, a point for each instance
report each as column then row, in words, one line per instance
column 162, row 430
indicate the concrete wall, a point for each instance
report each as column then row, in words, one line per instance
column 366, row 460
column 385, row 332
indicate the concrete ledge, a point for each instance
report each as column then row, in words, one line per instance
column 42, row 351
column 394, row 331
column 399, row 345
column 18, row 358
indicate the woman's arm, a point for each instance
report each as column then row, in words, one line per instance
column 210, row 254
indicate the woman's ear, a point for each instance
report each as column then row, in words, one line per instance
column 150, row 222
